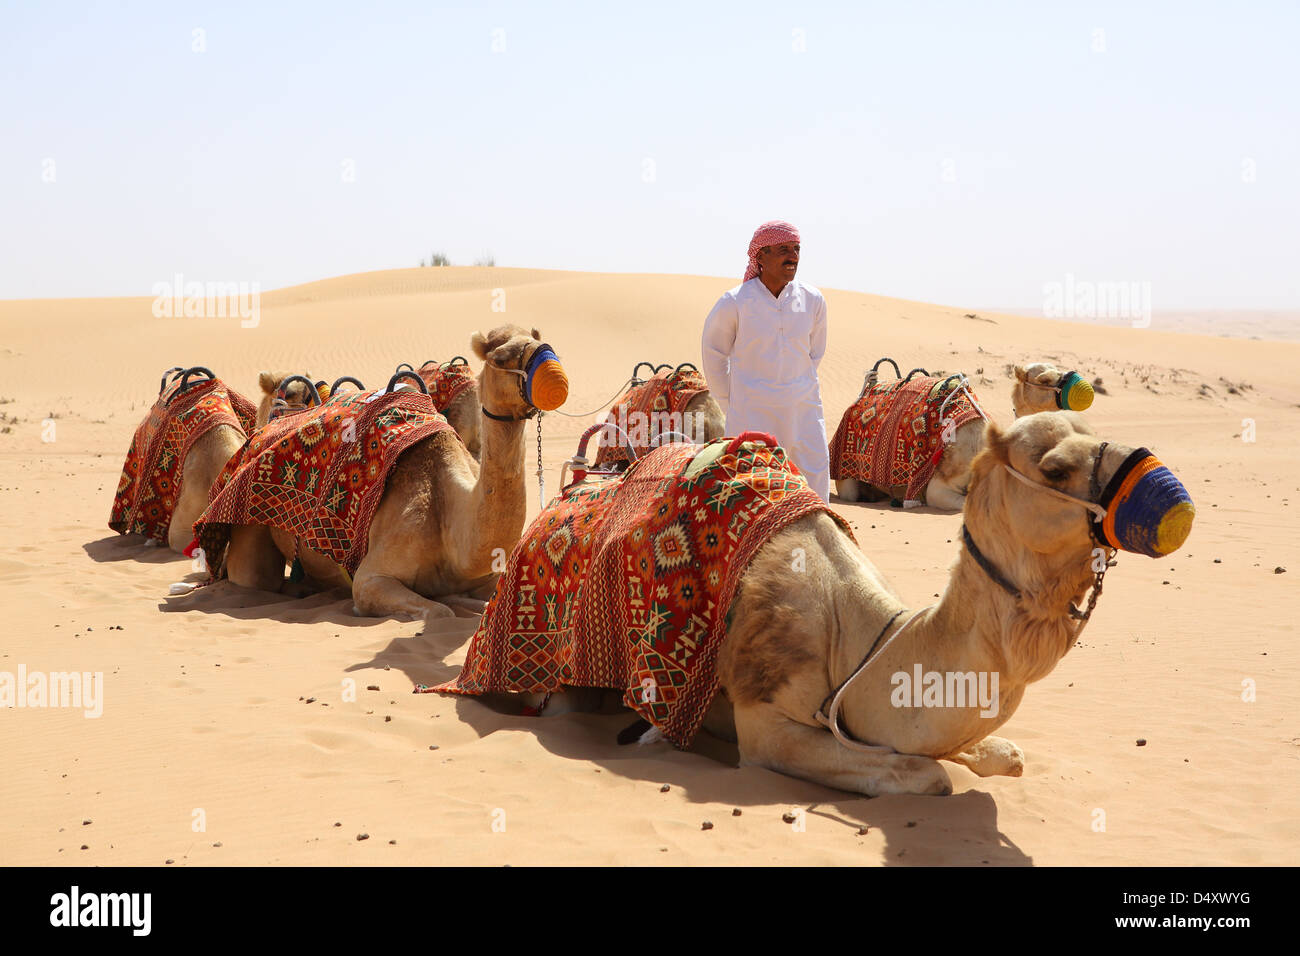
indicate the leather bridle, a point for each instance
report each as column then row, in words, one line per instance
column 1099, row 514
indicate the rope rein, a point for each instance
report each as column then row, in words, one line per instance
column 831, row 719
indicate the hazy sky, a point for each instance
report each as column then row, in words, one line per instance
column 964, row 153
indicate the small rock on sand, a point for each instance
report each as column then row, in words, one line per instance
column 736, row 812
column 1279, row 570
column 363, row 836
column 706, row 825
column 788, row 817
column 1142, row 742
column 665, row 788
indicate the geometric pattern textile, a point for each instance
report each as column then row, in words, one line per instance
column 625, row 581
column 318, row 474
column 446, row 383
column 645, row 410
column 150, row 484
column 893, row 435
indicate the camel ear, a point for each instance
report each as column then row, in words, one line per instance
column 480, row 346
column 993, row 455
column 269, row 381
column 1048, row 376
column 1019, row 372
column 537, row 335
column 996, row 442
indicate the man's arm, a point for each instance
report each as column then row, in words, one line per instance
column 817, row 345
column 716, row 344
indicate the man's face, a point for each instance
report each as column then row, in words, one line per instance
column 780, row 260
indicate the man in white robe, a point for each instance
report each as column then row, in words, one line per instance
column 762, row 344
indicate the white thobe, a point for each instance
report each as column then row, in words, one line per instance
column 761, row 354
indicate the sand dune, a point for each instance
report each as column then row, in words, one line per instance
column 225, row 708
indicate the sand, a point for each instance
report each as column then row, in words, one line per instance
column 225, row 737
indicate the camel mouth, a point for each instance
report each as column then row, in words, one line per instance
column 1148, row 510
column 546, row 386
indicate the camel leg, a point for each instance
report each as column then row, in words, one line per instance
column 720, row 719
column 768, row 738
column 846, row 489
column 381, row 595
column 253, row 560
column 939, row 494
column 992, row 756
column 465, row 601
column 202, row 466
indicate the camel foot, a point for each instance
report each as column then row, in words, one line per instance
column 993, row 757
column 469, row 603
column 380, row 595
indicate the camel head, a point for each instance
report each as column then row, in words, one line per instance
column 1035, row 491
column 1042, row 387
column 296, row 396
column 521, row 374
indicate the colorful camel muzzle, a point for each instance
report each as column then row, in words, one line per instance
column 1143, row 508
column 545, row 384
column 1074, row 393
column 1147, row 509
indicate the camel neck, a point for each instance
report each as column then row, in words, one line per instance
column 499, row 502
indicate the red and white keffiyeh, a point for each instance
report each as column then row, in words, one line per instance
column 768, row 234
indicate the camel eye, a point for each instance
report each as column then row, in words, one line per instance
column 1055, row 474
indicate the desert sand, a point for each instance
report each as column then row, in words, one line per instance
column 225, row 739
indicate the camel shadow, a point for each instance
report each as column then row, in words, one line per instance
column 332, row 606
column 708, row 772
column 129, row 547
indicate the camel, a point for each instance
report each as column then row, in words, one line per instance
column 639, row 426
column 462, row 412
column 1043, row 387
column 212, row 450
column 813, row 660
column 1037, row 389
column 443, row 520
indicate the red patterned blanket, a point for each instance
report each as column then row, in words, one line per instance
column 318, row 474
column 625, row 581
column 150, row 484
column 894, row 434
column 446, row 383
column 646, row 410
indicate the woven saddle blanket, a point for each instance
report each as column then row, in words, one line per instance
column 625, row 581
column 894, row 434
column 318, row 474
column 647, row 410
column 446, row 384
column 151, row 478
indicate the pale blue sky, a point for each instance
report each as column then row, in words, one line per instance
column 964, row 153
